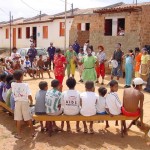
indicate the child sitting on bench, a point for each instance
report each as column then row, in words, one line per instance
column 71, row 102
column 113, row 104
column 53, row 104
column 40, row 108
column 88, row 104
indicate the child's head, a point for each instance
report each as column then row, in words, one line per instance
column 27, row 57
column 9, row 78
column 22, row 61
column 113, row 86
column 43, row 85
column 3, row 77
column 18, row 75
column 55, row 84
column 40, row 57
column 89, row 86
column 71, row 83
column 81, row 50
column 102, row 91
column 130, row 51
column 35, row 59
column 138, row 83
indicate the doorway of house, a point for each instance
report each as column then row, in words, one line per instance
column 14, row 37
column 34, row 34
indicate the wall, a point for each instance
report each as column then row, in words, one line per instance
column 53, row 35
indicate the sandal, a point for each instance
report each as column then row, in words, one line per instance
column 91, row 131
column 18, row 137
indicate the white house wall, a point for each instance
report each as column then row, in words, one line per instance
column 53, row 35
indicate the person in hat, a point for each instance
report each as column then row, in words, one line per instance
column 100, row 69
column 138, row 56
column 60, row 65
column 117, row 56
column 32, row 53
column 133, row 99
column 76, row 47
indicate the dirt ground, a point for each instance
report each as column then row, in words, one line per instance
column 102, row 139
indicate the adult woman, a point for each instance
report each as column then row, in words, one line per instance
column 100, row 69
column 89, row 61
column 59, row 69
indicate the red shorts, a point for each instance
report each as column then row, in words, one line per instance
column 100, row 70
column 130, row 114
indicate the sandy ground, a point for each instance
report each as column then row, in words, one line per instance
column 102, row 139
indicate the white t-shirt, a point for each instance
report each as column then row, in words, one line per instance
column 70, row 102
column 89, row 100
column 101, row 104
column 101, row 56
column 113, row 103
column 20, row 91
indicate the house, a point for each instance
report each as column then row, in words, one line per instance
column 42, row 28
column 101, row 26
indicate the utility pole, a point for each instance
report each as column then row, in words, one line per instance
column 40, row 15
column 65, row 25
column 10, row 33
column 72, row 8
column 136, row 2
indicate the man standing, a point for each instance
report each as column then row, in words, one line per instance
column 32, row 53
column 76, row 47
column 117, row 58
column 51, row 53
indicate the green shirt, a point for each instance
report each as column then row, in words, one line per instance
column 70, row 55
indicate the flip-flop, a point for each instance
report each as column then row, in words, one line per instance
column 18, row 137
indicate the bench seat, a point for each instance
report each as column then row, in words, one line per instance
column 6, row 107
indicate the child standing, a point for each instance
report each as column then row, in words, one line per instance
column 113, row 103
column 71, row 102
column 27, row 65
column 40, row 108
column 22, row 95
column 88, row 104
column 53, row 103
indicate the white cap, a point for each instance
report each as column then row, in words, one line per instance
column 138, row 81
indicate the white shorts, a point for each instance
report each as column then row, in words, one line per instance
column 22, row 111
column 56, row 113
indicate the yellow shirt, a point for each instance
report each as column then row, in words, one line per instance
column 144, row 59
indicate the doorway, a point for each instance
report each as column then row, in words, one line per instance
column 14, row 37
column 34, row 34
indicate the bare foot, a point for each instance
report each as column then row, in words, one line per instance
column 107, row 126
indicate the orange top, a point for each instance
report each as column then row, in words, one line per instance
column 138, row 61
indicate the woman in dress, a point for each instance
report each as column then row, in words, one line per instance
column 89, row 61
column 60, row 65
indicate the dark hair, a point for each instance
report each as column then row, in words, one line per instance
column 40, row 55
column 81, row 49
column 18, row 74
column 14, row 48
column 55, row 83
column 87, row 41
column 9, row 78
column 113, row 83
column 71, row 83
column 58, row 50
column 89, row 85
column 3, row 77
column 91, row 47
column 131, row 51
column 26, row 56
column 2, row 60
column 43, row 85
column 102, row 91
column 119, row 44
column 137, row 49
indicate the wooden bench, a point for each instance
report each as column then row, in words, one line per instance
column 122, row 118
column 3, row 105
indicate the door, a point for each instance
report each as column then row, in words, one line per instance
column 14, row 37
column 108, row 27
column 34, row 33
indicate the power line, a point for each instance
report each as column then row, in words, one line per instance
column 29, row 6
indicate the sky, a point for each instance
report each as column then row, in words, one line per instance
column 19, row 9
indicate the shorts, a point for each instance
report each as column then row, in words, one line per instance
column 130, row 114
column 102, row 113
column 22, row 111
column 100, row 70
column 117, row 71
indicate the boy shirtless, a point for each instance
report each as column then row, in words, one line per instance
column 133, row 100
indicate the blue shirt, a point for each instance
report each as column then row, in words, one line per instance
column 129, row 60
column 76, row 47
column 32, row 53
column 51, row 52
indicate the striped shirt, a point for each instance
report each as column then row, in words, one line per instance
column 113, row 103
column 52, row 100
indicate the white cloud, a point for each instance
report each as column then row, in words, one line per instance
column 48, row 6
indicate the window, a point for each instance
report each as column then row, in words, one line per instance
column 7, row 33
column 79, row 26
column 121, row 27
column 45, row 32
column 19, row 33
column 62, row 29
column 108, row 27
column 27, row 32
column 87, row 26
